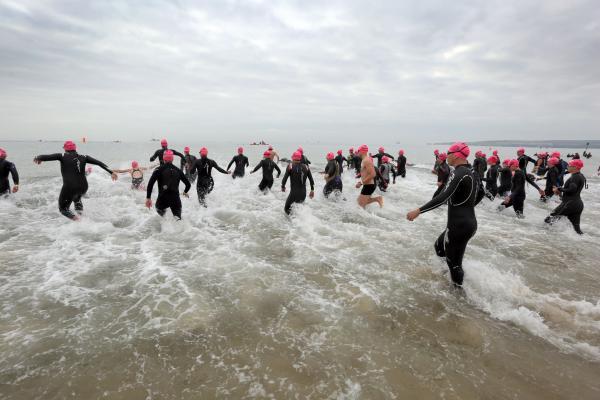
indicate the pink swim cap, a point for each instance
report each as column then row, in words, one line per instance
column 134, row 164
column 297, row 156
column 492, row 160
column 520, row 150
column 69, row 146
column 2, row 153
column 203, row 151
column 301, row 150
column 506, row 162
column 556, row 154
column 553, row 161
column 460, row 150
column 168, row 156
column 442, row 156
column 330, row 156
column 436, row 152
column 401, row 152
column 381, row 149
column 267, row 154
column 351, row 150
column 163, row 142
column 340, row 152
column 495, row 152
column 270, row 147
column 514, row 163
column 363, row 148
column 576, row 163
column 240, row 150
column 478, row 153
column 386, row 159
column 186, row 150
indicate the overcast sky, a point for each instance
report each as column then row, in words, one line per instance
column 285, row 70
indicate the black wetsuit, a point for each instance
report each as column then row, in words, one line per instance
column 356, row 162
column 379, row 156
column 505, row 181
column 340, row 160
column 443, row 173
column 401, row 166
column 6, row 168
column 267, row 166
column 551, row 181
column 562, row 171
column 479, row 166
column 491, row 181
column 334, row 182
column 385, row 170
column 75, row 185
column 571, row 205
column 305, row 160
column 523, row 161
column 159, row 154
column 461, row 195
column 241, row 162
column 168, row 177
column 518, row 192
column 203, row 167
column 186, row 166
column 297, row 173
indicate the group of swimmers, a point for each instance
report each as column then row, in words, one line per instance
column 461, row 187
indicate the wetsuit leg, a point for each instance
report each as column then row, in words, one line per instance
column 294, row 197
column 572, row 210
column 64, row 202
column 265, row 184
column 518, row 205
column 175, row 205
column 452, row 244
column 78, row 203
column 202, row 188
column 328, row 188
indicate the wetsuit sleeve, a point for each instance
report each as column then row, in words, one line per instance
column 278, row 170
column 247, row 162
column 230, row 163
column 531, row 181
column 49, row 157
column 307, row 161
column 531, row 160
column 216, row 166
column 444, row 195
column 286, row 176
column 14, row 173
column 494, row 174
column 310, row 179
column 185, row 181
column 389, row 155
column 92, row 160
column 153, row 178
column 154, row 156
column 257, row 167
column 178, row 154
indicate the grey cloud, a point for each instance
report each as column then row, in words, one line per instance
column 433, row 68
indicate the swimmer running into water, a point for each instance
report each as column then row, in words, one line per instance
column 367, row 179
column 137, row 175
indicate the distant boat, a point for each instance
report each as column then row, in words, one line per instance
column 261, row 143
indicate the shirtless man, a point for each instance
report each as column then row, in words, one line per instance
column 367, row 177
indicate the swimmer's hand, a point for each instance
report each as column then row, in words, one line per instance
column 412, row 215
column 311, row 194
column 358, row 185
column 186, row 194
column 114, row 176
column 15, row 188
column 149, row 203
